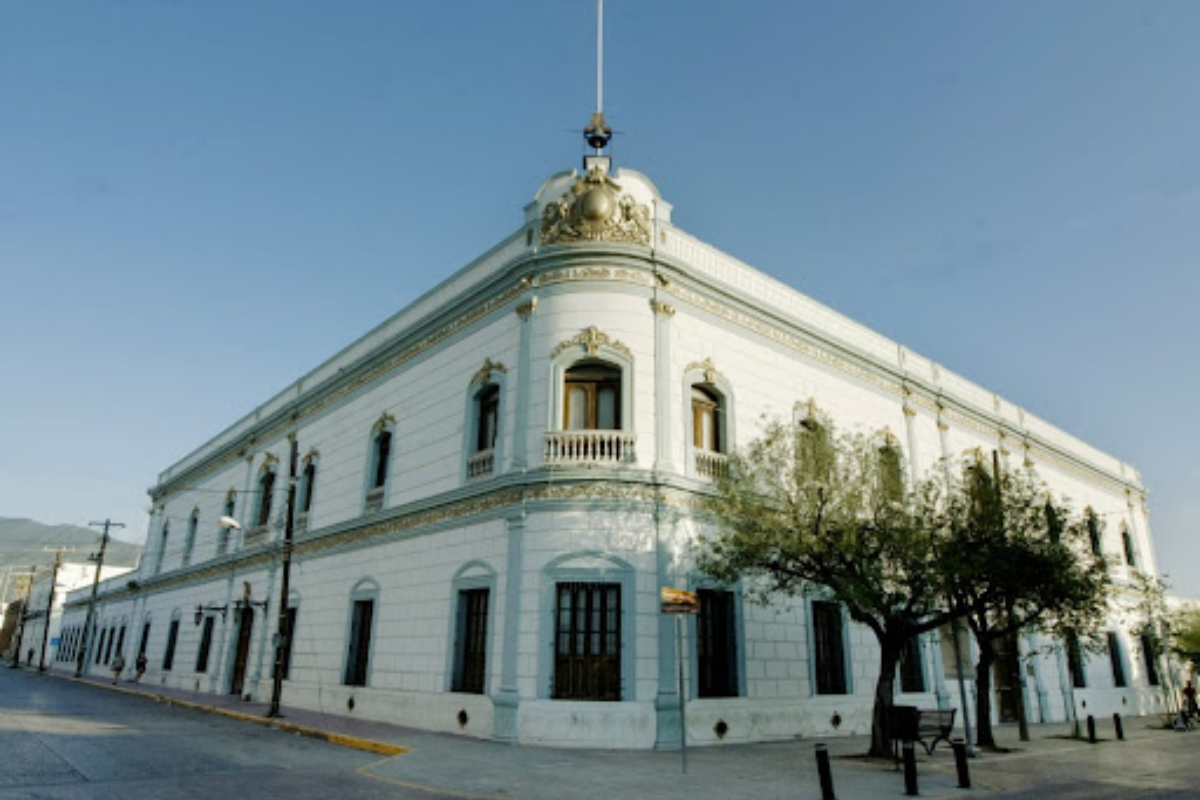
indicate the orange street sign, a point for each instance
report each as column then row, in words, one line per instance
column 678, row 601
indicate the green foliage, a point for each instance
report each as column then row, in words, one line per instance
column 1185, row 627
column 803, row 510
column 1014, row 561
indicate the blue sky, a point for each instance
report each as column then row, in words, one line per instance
column 199, row 201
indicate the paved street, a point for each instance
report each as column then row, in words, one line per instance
column 67, row 740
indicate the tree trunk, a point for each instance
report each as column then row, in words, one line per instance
column 885, row 693
column 983, row 692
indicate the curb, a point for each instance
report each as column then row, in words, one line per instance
column 340, row 739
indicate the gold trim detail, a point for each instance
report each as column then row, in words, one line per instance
column 659, row 307
column 591, row 339
column 594, row 210
column 384, row 420
column 525, row 310
column 709, row 370
column 485, row 372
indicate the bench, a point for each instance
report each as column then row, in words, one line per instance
column 924, row 725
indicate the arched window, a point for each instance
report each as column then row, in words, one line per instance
column 190, row 542
column 266, row 489
column 592, row 397
column 708, row 436
column 222, row 531
column 485, row 429
column 1093, row 529
column 1130, row 552
column 308, row 485
column 162, row 547
column 379, row 460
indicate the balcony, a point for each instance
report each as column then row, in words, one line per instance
column 711, row 465
column 586, row 448
column 481, row 464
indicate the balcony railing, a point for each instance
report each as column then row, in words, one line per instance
column 481, row 463
column 711, row 465
column 589, row 447
column 375, row 499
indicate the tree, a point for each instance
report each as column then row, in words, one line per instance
column 1185, row 632
column 801, row 511
column 1015, row 561
column 1155, row 628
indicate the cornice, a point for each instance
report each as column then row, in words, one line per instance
column 616, row 263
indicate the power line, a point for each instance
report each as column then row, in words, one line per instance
column 87, row 623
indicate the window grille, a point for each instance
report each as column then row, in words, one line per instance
column 587, row 647
column 358, row 657
column 829, row 648
column 716, row 645
column 471, row 656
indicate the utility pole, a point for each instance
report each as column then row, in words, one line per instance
column 87, row 622
column 50, row 606
column 284, row 632
column 24, row 613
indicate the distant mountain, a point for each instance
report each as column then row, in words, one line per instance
column 23, row 543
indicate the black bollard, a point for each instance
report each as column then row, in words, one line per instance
column 1091, row 723
column 1118, row 727
column 824, row 773
column 960, row 761
column 910, row 770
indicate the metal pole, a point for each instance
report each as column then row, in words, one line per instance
column 24, row 613
column 910, row 769
column 960, row 762
column 682, row 698
column 824, row 773
column 49, row 608
column 91, row 609
column 284, row 633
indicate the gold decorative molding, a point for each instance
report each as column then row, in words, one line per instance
column 269, row 461
column 591, row 339
column 572, row 274
column 594, row 210
column 659, row 307
column 484, row 374
column 908, row 410
column 384, row 420
column 525, row 310
column 706, row 368
column 309, row 457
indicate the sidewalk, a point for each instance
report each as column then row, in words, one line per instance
column 471, row 768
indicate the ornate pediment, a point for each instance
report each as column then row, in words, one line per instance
column 594, row 210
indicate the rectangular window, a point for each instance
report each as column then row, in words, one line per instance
column 1075, row 662
column 206, row 637
column 471, row 645
column 172, row 639
column 383, row 454
column 108, row 650
column 121, row 641
column 587, row 646
column 99, row 654
column 829, row 648
column 1150, row 658
column 358, row 657
column 912, row 670
column 1118, row 663
column 716, row 645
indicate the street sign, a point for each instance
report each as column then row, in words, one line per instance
column 678, row 601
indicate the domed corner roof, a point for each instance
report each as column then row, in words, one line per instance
column 594, row 206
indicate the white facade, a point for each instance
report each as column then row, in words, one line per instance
column 596, row 322
column 70, row 576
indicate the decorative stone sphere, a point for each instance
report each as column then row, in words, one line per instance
column 596, row 205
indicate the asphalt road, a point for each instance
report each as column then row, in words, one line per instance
column 64, row 741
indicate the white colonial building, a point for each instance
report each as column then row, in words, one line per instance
column 494, row 484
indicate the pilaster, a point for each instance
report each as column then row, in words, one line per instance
column 520, row 459
column 506, row 703
column 664, row 457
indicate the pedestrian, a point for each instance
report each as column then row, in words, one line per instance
column 141, row 667
column 1189, row 699
column 118, row 664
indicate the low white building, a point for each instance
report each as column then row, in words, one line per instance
column 43, row 620
column 494, row 484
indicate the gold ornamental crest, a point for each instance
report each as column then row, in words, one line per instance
column 594, row 210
